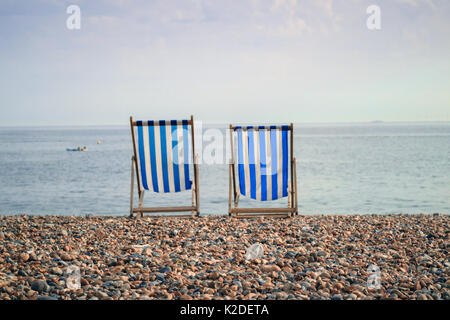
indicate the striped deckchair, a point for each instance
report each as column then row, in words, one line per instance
column 263, row 156
column 161, row 162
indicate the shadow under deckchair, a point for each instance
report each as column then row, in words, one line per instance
column 161, row 162
column 261, row 168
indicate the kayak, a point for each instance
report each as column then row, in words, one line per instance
column 76, row 149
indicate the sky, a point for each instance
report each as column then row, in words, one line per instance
column 223, row 61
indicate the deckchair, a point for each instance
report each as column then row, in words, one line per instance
column 259, row 169
column 161, row 162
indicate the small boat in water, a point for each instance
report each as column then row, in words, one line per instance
column 77, row 149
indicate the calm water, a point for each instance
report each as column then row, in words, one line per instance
column 342, row 169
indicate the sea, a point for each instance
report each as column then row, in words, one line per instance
column 344, row 168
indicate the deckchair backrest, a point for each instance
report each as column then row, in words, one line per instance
column 262, row 161
column 162, row 150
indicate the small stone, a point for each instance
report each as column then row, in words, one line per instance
column 56, row 270
column 22, row 273
column 321, row 253
column 165, row 270
column 338, row 286
column 39, row 286
column 422, row 297
column 24, row 256
column 276, row 268
column 270, row 268
column 66, row 257
column 173, row 233
column 101, row 295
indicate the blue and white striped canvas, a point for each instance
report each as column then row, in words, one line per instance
column 263, row 162
column 163, row 155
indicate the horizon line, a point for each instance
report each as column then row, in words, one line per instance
column 227, row 122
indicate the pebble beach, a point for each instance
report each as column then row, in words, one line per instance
column 305, row 257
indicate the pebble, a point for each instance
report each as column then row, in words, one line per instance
column 24, row 256
column 66, row 256
column 22, row 273
column 56, row 270
column 39, row 286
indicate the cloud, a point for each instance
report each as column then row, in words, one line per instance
column 416, row 3
column 326, row 5
column 284, row 20
column 103, row 20
column 293, row 27
column 410, row 2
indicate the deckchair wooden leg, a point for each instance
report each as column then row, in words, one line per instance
column 236, row 202
column 289, row 196
column 296, row 187
column 232, row 171
column 141, row 202
column 197, row 186
column 230, row 181
column 235, row 193
column 193, row 197
column 132, row 187
column 195, row 158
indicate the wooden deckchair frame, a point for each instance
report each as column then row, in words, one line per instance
column 140, row 210
column 233, row 195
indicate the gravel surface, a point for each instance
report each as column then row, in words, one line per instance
column 306, row 257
